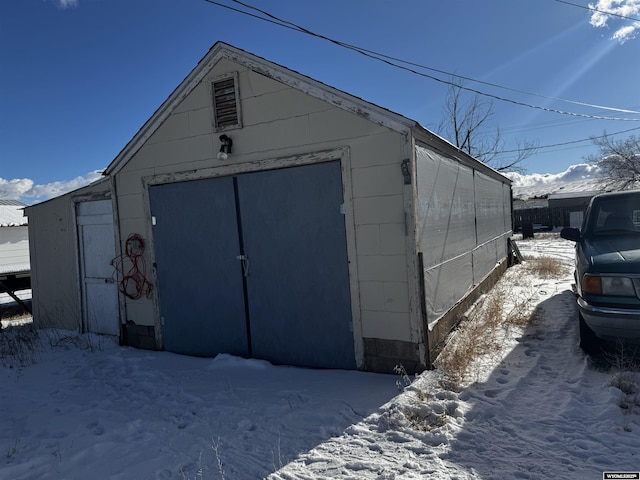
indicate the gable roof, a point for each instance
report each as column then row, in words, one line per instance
column 269, row 69
column 12, row 214
column 293, row 79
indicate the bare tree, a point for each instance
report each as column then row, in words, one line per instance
column 619, row 161
column 467, row 123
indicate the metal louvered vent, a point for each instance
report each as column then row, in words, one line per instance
column 225, row 103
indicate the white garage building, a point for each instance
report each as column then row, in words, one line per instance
column 262, row 213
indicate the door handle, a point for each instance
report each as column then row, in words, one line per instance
column 244, row 260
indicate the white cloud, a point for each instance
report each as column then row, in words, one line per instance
column 626, row 33
column 23, row 189
column 68, row 3
column 14, row 189
column 577, row 178
column 627, row 8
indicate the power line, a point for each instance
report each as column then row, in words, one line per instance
column 544, row 125
column 389, row 60
column 591, row 9
column 577, row 141
column 407, row 62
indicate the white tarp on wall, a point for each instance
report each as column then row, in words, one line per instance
column 464, row 219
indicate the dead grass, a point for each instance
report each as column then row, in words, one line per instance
column 483, row 329
column 19, row 345
column 624, row 359
column 13, row 312
column 623, row 356
column 425, row 421
column 545, row 267
column 475, row 337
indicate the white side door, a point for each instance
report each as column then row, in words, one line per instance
column 97, row 248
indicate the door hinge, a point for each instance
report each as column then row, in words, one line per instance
column 244, row 260
column 406, row 171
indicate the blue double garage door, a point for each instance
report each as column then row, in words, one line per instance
column 256, row 265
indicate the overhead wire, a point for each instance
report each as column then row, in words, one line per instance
column 389, row 60
column 544, row 125
column 577, row 141
column 407, row 62
column 592, row 9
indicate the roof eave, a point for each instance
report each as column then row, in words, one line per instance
column 421, row 134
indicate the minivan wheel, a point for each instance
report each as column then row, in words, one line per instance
column 589, row 343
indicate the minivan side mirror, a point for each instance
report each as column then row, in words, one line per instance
column 572, row 234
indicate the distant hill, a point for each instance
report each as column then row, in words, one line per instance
column 577, row 178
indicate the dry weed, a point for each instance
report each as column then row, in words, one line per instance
column 628, row 382
column 19, row 345
column 479, row 333
column 425, row 421
column 625, row 360
column 473, row 339
column 546, row 267
column 625, row 356
column 13, row 313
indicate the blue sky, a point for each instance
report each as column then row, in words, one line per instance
column 79, row 78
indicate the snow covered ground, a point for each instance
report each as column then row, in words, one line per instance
column 536, row 409
column 5, row 298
